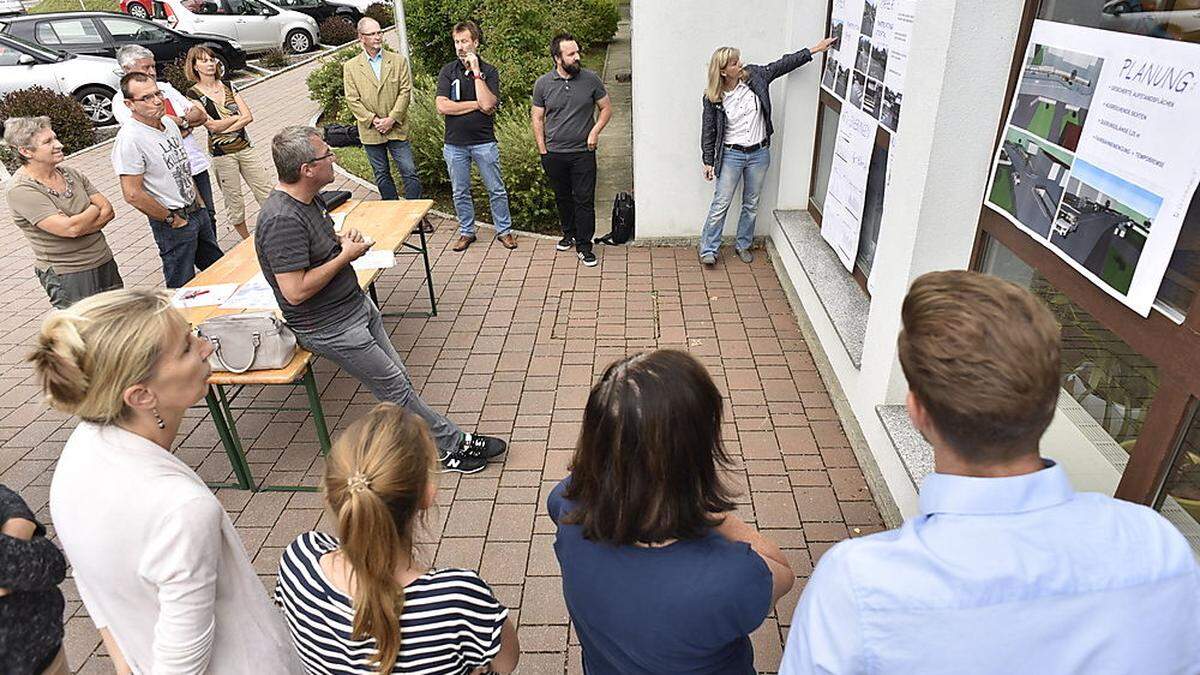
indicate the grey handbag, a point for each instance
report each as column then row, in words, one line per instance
column 251, row 341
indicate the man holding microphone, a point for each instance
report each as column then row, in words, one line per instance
column 468, row 92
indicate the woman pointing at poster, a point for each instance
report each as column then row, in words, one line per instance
column 735, row 137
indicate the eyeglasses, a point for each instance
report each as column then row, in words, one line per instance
column 314, row 160
column 150, row 97
column 371, row 34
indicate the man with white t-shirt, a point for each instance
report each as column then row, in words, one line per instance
column 156, row 179
column 187, row 114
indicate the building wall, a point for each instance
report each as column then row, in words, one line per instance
column 671, row 49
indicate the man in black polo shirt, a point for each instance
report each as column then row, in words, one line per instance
column 307, row 264
column 468, row 92
column 563, row 102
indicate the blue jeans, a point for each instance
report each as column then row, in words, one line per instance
column 401, row 152
column 487, row 157
column 183, row 249
column 749, row 169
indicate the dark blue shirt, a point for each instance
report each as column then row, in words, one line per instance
column 684, row 608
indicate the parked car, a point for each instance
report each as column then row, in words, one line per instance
column 91, row 80
column 320, row 9
column 257, row 25
column 103, row 33
column 359, row 6
column 1177, row 19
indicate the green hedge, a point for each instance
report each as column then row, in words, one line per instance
column 516, row 39
column 67, row 117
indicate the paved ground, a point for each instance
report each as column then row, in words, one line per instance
column 519, row 338
column 614, row 154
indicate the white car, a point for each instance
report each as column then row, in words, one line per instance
column 91, row 80
column 257, row 25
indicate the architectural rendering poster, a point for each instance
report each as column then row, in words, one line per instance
column 866, row 66
column 841, row 218
column 1098, row 161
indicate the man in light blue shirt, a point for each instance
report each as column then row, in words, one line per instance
column 1006, row 569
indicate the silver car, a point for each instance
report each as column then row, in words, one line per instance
column 91, row 80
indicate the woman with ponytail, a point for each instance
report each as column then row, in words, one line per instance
column 158, row 564
column 363, row 603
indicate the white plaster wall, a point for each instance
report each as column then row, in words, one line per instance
column 671, row 47
column 958, row 66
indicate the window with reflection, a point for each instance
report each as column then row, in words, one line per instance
column 1183, row 480
column 1108, row 379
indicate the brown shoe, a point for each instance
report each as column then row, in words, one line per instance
column 463, row 242
column 507, row 240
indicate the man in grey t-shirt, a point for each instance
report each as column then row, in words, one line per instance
column 308, row 266
column 564, row 100
column 156, row 179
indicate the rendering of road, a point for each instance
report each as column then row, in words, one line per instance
column 1035, row 196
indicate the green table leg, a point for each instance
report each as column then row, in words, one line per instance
column 314, row 406
column 233, row 447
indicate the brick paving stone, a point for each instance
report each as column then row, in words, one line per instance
column 519, row 339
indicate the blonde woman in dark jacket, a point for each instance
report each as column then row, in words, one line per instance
column 735, row 139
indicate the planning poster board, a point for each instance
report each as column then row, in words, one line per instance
column 865, row 70
column 841, row 219
column 866, row 67
column 1099, row 159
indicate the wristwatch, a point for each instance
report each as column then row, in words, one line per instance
column 184, row 125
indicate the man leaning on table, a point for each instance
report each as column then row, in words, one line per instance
column 307, row 264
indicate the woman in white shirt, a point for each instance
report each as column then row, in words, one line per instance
column 157, row 561
column 735, row 138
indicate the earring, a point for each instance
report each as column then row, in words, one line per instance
column 159, row 420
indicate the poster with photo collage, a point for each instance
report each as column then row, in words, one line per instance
column 866, row 66
column 865, row 70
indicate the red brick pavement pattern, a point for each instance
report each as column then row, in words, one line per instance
column 519, row 337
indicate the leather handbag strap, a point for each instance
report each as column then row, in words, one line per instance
column 216, row 342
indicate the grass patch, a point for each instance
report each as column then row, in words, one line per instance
column 1002, row 190
column 47, row 6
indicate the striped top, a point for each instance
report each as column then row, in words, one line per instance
column 450, row 623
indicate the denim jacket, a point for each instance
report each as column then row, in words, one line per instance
column 712, row 131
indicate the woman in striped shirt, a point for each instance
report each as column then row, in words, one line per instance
column 364, row 604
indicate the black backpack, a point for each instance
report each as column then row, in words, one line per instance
column 622, row 221
column 342, row 135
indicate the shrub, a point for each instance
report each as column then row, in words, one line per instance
column 274, row 58
column 173, row 73
column 516, row 34
column 592, row 22
column 336, row 30
column 71, row 124
column 325, row 85
column 381, row 12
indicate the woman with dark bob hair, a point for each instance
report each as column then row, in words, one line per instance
column 658, row 574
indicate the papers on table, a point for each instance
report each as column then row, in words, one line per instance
column 254, row 294
column 375, row 260
column 202, row 296
column 338, row 220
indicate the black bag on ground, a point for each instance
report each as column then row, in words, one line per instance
column 342, row 135
column 622, row 221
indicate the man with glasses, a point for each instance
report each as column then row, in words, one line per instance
column 185, row 113
column 307, row 264
column 156, row 179
column 378, row 86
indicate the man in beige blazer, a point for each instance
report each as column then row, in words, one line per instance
column 378, row 87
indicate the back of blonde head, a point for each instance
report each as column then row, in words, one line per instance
column 720, row 58
column 376, row 478
column 87, row 355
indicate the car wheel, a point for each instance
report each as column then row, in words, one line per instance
column 139, row 10
column 97, row 103
column 299, row 41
